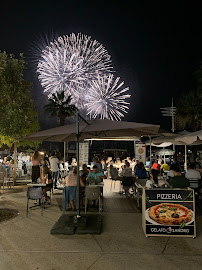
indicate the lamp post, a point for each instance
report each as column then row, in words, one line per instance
column 170, row 111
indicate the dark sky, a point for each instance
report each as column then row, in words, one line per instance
column 155, row 45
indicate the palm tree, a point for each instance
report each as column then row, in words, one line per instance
column 189, row 111
column 60, row 106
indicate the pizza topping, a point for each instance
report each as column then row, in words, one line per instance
column 174, row 215
column 172, row 208
column 162, row 211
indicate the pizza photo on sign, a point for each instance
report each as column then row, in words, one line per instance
column 170, row 214
column 140, row 151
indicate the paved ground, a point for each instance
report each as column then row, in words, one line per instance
column 26, row 243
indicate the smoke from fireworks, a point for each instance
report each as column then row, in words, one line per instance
column 106, row 98
column 81, row 67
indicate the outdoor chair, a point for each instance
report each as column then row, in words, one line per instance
column 2, row 178
column 9, row 179
column 195, row 184
column 93, row 193
column 35, row 193
column 140, row 184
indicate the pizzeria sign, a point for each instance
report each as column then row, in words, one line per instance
column 168, row 212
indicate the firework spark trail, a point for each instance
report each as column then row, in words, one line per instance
column 71, row 60
column 81, row 67
column 106, row 98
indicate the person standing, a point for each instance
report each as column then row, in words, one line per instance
column 54, row 165
column 36, row 162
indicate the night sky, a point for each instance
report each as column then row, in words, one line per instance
column 155, row 45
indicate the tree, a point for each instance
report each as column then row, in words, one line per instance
column 189, row 111
column 60, row 106
column 18, row 117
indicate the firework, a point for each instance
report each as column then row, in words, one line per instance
column 70, row 62
column 106, row 98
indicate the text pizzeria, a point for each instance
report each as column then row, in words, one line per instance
column 168, row 197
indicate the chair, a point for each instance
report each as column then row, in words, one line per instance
column 9, row 179
column 2, row 178
column 195, row 184
column 93, row 193
column 35, row 193
column 140, row 184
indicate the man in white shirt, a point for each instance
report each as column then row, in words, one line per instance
column 54, row 166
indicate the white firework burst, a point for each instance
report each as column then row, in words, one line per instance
column 106, row 98
column 70, row 62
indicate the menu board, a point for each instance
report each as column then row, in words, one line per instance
column 83, row 153
column 168, row 212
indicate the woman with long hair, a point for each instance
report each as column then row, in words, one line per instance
column 36, row 162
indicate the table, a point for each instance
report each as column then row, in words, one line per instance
column 36, row 185
column 97, row 185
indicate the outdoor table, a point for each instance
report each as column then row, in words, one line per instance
column 165, row 198
column 36, row 185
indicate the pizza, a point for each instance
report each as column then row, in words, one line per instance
column 172, row 214
column 140, row 150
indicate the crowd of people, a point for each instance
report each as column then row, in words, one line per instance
column 51, row 169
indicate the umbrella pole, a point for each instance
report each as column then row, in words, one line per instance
column 185, row 157
column 77, row 156
column 64, row 152
column 150, row 166
column 164, row 155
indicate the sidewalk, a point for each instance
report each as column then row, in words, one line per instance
column 26, row 243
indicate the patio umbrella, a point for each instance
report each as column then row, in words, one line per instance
column 95, row 129
column 92, row 129
column 193, row 138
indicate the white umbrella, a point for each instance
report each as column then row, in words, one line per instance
column 97, row 129
column 191, row 138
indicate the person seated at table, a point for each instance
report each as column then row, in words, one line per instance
column 140, row 171
column 197, row 162
column 192, row 173
column 97, row 163
column 6, row 165
column 69, row 191
column 153, row 181
column 178, row 181
column 194, row 177
column 170, row 173
column 104, row 165
column 96, row 176
column 74, row 162
column 127, row 179
column 46, row 175
column 84, row 173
